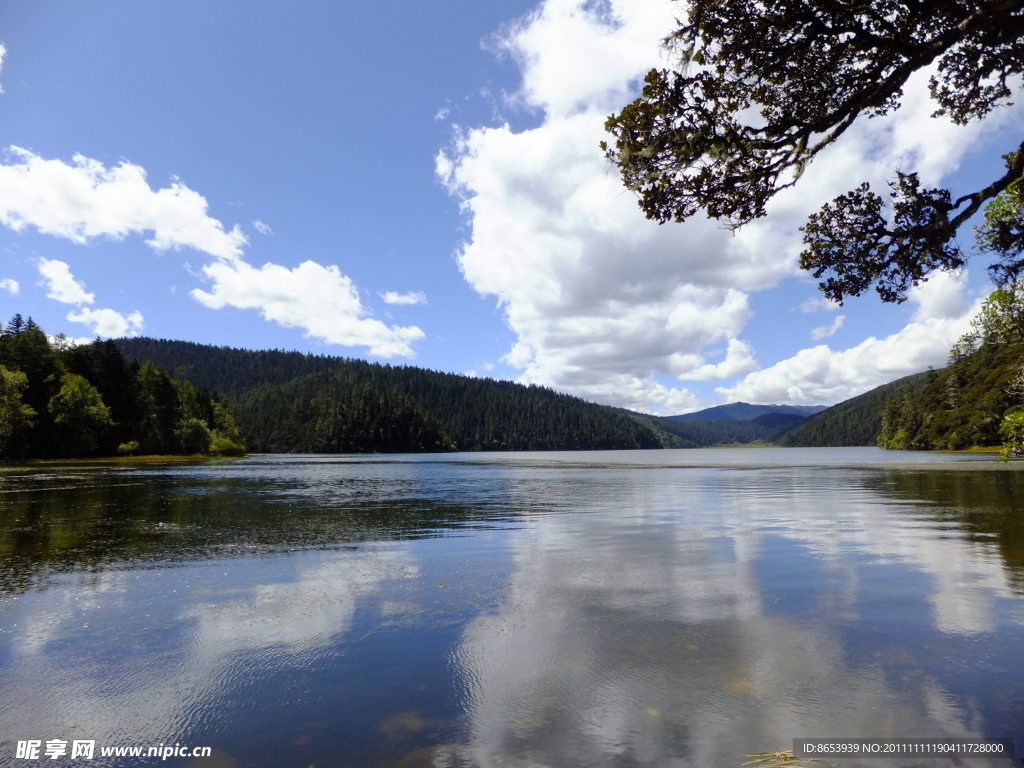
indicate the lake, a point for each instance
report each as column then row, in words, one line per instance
column 658, row 608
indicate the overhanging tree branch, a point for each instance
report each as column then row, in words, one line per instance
column 809, row 69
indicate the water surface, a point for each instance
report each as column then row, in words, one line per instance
column 549, row 609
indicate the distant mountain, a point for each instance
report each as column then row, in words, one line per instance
column 709, row 434
column 746, row 412
column 857, row 421
column 778, row 423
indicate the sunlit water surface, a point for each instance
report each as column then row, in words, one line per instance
column 667, row 608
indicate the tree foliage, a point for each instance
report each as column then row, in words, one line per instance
column 966, row 404
column 1012, row 432
column 857, row 421
column 16, row 418
column 62, row 401
column 1000, row 322
column 1002, row 233
column 290, row 402
column 762, row 88
column 80, row 416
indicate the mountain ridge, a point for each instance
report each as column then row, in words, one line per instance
column 745, row 412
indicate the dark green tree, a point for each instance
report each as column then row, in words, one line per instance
column 160, row 411
column 762, row 88
column 117, row 381
column 16, row 418
column 81, row 418
column 24, row 347
column 193, row 436
column 226, row 439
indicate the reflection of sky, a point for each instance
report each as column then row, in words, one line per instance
column 683, row 619
column 158, row 646
column 587, row 616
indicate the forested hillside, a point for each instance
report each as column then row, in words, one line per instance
column 965, row 404
column 58, row 401
column 226, row 369
column 287, row 401
column 857, row 421
column 961, row 406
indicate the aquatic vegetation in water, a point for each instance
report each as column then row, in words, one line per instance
column 783, row 758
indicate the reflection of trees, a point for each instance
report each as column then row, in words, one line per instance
column 984, row 505
column 91, row 519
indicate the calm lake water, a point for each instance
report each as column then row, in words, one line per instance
column 662, row 608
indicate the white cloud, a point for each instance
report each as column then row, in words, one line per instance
column 821, row 375
column 3, row 53
column 819, row 304
column 107, row 322
column 85, row 200
column 10, row 285
column 941, row 298
column 413, row 297
column 61, row 284
column 824, row 331
column 320, row 300
column 601, row 300
column 739, row 359
column 263, row 229
column 61, row 341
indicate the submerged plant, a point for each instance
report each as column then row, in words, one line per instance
column 782, row 758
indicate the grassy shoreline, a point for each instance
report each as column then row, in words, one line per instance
column 148, row 459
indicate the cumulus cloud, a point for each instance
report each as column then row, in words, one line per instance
column 824, row 331
column 107, row 322
column 601, row 300
column 10, row 285
column 413, row 297
column 62, row 342
column 263, row 229
column 84, row 200
column 821, row 375
column 739, row 359
column 320, row 300
column 819, row 304
column 61, row 284
column 941, row 298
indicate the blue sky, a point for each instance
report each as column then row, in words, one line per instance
column 421, row 184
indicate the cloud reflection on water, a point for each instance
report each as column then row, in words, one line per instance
column 644, row 629
column 165, row 644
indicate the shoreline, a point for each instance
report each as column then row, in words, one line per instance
column 147, row 459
